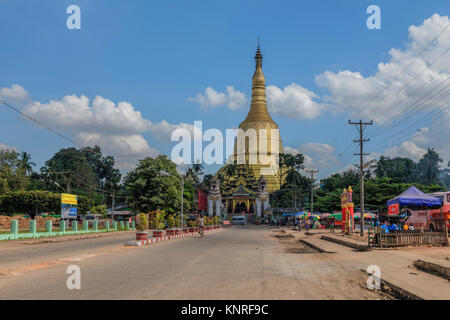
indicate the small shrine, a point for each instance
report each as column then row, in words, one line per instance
column 214, row 198
column 348, row 222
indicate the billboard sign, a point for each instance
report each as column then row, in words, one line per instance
column 69, row 203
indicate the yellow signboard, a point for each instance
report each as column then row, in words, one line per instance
column 67, row 198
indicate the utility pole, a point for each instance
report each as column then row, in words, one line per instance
column 361, row 155
column 312, row 171
column 112, row 207
column 68, row 182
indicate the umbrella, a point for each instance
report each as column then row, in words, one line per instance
column 337, row 216
column 367, row 215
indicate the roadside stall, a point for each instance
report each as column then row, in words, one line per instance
column 414, row 205
column 395, row 236
column 369, row 218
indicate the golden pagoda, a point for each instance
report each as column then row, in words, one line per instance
column 242, row 187
column 259, row 118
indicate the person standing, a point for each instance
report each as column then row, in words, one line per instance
column 385, row 227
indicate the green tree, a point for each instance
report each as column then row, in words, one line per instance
column 197, row 169
column 26, row 163
column 149, row 190
column 399, row 170
column 428, row 167
column 69, row 167
column 106, row 177
column 12, row 175
column 99, row 209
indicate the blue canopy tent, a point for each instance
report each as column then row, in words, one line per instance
column 414, row 196
column 293, row 214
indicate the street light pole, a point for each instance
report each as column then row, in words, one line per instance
column 182, row 189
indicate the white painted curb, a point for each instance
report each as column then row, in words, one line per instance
column 139, row 243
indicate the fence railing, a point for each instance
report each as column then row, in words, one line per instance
column 409, row 238
column 64, row 228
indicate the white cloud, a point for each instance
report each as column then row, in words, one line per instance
column 6, row 147
column 317, row 155
column 293, row 101
column 322, row 154
column 419, row 142
column 232, row 98
column 163, row 130
column 317, row 148
column 14, row 94
column 407, row 149
column 116, row 128
column 352, row 91
column 77, row 113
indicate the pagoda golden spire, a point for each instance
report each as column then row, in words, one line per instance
column 258, row 107
column 258, row 118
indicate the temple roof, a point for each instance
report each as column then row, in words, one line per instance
column 243, row 182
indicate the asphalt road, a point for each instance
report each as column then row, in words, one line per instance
column 242, row 262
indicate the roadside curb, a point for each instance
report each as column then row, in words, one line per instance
column 313, row 246
column 350, row 244
column 57, row 239
column 139, row 243
column 394, row 290
column 433, row 268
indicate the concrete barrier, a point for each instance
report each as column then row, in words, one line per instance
column 139, row 243
column 433, row 268
column 351, row 244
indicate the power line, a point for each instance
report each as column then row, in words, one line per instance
column 46, row 127
column 413, row 126
column 396, row 76
column 408, row 83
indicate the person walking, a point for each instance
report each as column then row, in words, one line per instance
column 201, row 225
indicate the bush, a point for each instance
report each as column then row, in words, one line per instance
column 142, row 223
column 100, row 209
column 216, row 220
column 30, row 202
column 157, row 221
column 171, row 222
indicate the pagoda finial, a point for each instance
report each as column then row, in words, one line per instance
column 258, row 56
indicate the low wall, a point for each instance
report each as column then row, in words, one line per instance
column 24, row 223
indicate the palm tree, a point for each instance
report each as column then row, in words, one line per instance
column 429, row 167
column 26, row 163
column 197, row 169
column 282, row 159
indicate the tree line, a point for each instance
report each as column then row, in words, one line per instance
column 92, row 176
column 384, row 178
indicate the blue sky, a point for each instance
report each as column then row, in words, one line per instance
column 155, row 55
